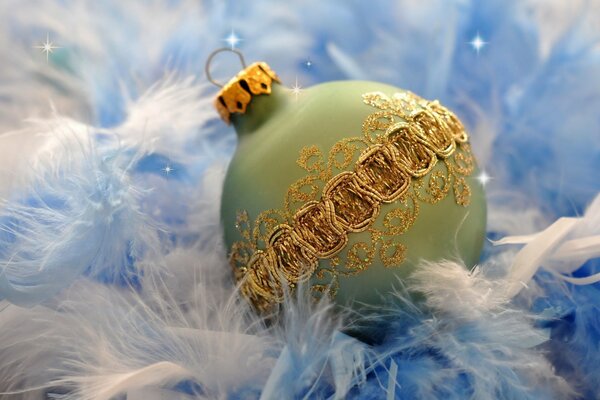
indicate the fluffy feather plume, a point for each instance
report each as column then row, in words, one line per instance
column 463, row 339
column 85, row 208
column 80, row 215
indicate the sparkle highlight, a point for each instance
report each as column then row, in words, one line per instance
column 233, row 39
column 478, row 43
column 296, row 89
column 483, row 178
column 47, row 47
column 168, row 169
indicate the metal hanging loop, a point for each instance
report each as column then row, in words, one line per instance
column 209, row 60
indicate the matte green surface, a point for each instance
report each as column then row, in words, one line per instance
column 271, row 134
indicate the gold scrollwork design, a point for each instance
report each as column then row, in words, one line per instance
column 411, row 151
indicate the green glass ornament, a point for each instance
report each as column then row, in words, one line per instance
column 346, row 185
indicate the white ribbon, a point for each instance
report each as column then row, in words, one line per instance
column 561, row 249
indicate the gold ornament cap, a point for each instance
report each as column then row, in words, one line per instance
column 253, row 80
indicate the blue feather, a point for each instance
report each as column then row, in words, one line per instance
column 82, row 217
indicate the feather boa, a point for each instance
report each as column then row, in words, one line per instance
column 113, row 280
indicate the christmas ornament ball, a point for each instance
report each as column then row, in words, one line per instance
column 343, row 188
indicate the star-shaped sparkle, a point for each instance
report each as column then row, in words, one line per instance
column 47, row 47
column 478, row 43
column 233, row 39
column 308, row 63
column 168, row 169
column 483, row 178
column 296, row 89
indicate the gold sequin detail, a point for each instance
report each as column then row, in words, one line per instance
column 411, row 151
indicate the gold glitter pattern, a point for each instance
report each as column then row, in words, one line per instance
column 235, row 96
column 411, row 151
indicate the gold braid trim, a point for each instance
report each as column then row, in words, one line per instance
column 402, row 145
